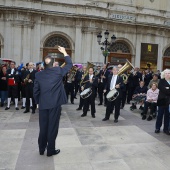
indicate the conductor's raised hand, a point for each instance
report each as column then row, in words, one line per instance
column 62, row 50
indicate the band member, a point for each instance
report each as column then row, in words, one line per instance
column 69, row 85
column 76, row 81
column 102, row 77
column 163, row 102
column 114, row 82
column 90, row 81
column 81, row 78
column 49, row 93
column 13, row 79
column 29, row 84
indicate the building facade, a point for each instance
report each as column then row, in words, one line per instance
column 31, row 29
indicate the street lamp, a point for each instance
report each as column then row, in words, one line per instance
column 106, row 44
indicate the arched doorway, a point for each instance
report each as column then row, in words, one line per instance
column 50, row 47
column 166, row 59
column 119, row 52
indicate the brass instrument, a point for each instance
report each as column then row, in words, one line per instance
column 27, row 78
column 125, row 67
column 72, row 73
column 107, row 65
column 89, row 65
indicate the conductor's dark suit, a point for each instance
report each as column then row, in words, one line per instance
column 49, row 93
column 117, row 101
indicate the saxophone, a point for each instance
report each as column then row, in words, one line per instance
column 27, row 78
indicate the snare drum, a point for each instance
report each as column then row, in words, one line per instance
column 86, row 93
column 112, row 95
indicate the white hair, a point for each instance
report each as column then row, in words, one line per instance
column 163, row 73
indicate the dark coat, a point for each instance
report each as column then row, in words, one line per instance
column 49, row 90
column 118, row 81
column 139, row 90
column 164, row 93
column 15, row 75
column 3, row 83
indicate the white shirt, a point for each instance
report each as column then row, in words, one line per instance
column 12, row 71
column 90, row 76
column 113, row 82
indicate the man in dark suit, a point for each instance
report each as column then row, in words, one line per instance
column 114, row 82
column 49, row 93
column 29, row 84
column 90, row 82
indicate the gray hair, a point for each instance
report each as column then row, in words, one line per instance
column 163, row 73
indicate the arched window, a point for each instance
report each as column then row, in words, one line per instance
column 57, row 40
column 167, row 52
column 120, row 47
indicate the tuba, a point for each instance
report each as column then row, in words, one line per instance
column 89, row 65
column 113, row 94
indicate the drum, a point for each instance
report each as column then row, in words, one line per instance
column 112, row 95
column 86, row 93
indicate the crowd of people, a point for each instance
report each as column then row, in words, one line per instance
column 148, row 89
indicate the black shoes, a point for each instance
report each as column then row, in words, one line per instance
column 166, row 132
column 93, row 116
column 105, row 119
column 116, row 120
column 78, row 108
column 157, row 131
column 7, row 108
column 22, row 107
column 16, row 108
column 83, row 115
column 99, row 104
column 26, row 111
column 54, row 153
column 72, row 102
column 41, row 152
column 143, row 117
column 33, row 111
column 141, row 108
column 149, row 118
column 2, row 104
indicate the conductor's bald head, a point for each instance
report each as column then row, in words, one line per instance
column 48, row 62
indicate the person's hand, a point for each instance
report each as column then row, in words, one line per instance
column 62, row 50
column 91, row 80
column 117, row 86
column 29, row 81
column 104, row 91
column 3, row 78
column 82, row 88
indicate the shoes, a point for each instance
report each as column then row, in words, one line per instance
column 105, row 119
column 26, row 111
column 141, row 114
column 121, row 107
column 93, row 116
column 78, row 108
column 83, row 115
column 2, row 104
column 54, row 153
column 157, row 131
column 128, row 102
column 33, row 111
column 23, row 107
column 116, row 120
column 75, row 97
column 88, row 110
column 16, row 108
column 166, row 132
column 143, row 117
column 149, row 118
column 154, row 115
column 99, row 104
column 41, row 152
column 30, row 107
column 7, row 108
column 141, row 108
column 72, row 102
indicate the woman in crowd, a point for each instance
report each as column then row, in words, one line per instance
column 151, row 101
column 163, row 102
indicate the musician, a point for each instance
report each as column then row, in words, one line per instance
column 76, row 81
column 102, row 78
column 90, row 81
column 12, row 79
column 81, row 78
column 114, row 82
column 69, row 85
column 29, row 85
column 133, row 81
column 49, row 93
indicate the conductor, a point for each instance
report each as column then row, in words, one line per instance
column 49, row 93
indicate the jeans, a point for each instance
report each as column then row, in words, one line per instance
column 4, row 95
column 163, row 111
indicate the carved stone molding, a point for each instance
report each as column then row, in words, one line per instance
column 23, row 23
column 89, row 30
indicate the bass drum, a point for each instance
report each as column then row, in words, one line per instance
column 86, row 93
column 112, row 95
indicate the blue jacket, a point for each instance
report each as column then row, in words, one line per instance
column 49, row 90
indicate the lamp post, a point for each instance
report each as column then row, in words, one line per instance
column 105, row 44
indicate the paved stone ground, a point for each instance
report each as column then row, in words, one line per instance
column 86, row 143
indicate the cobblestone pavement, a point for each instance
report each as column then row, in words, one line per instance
column 86, row 143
